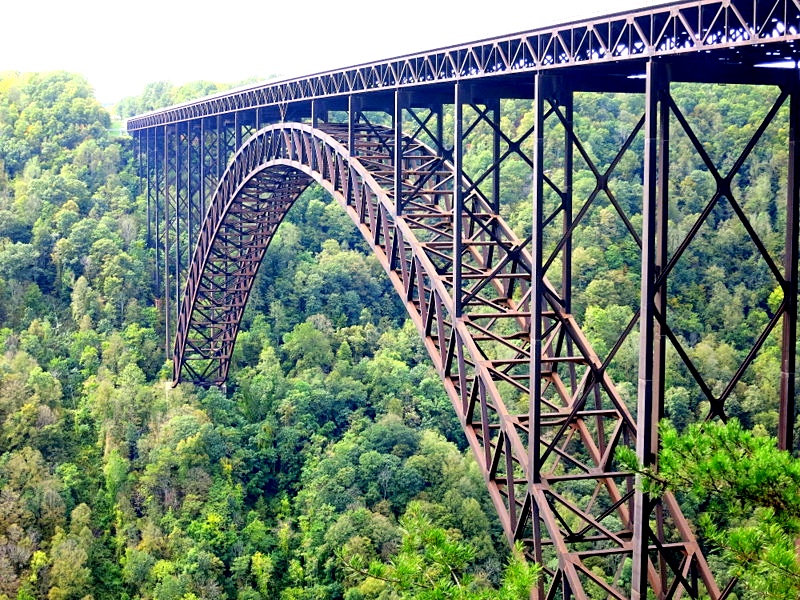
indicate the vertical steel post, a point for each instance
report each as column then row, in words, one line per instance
column 203, row 173
column 352, row 119
column 787, row 416
column 237, row 132
column 651, row 339
column 537, row 291
column 662, row 256
column 398, row 151
column 458, row 197
column 537, row 287
column 440, row 127
column 189, row 194
column 493, row 106
column 152, row 211
column 148, row 189
column 178, row 191
column 220, row 164
column 140, row 166
column 167, row 291
column 137, row 139
column 660, row 305
column 568, row 100
column 156, row 216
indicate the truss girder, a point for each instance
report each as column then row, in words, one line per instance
column 732, row 28
column 538, row 417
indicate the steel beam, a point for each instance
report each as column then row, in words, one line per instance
column 650, row 338
column 788, row 391
column 458, row 198
column 397, row 119
column 536, row 303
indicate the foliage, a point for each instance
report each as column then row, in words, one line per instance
column 432, row 564
column 334, row 441
column 748, row 492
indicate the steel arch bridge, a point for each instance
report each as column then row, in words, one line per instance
column 495, row 307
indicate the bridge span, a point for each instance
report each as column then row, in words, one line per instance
column 495, row 306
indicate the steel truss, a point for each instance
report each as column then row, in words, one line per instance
column 536, row 401
column 661, row 255
column 488, row 303
column 181, row 165
column 729, row 28
column 662, row 252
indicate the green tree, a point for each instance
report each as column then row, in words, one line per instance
column 431, row 564
column 748, row 492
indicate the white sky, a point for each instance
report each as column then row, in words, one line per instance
column 121, row 46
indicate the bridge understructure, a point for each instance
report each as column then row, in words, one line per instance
column 391, row 142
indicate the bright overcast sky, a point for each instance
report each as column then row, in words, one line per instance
column 121, row 46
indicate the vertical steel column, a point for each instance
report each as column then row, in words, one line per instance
column 189, row 194
column 537, row 292
column 787, row 416
column 157, row 200
column 178, row 191
column 353, row 104
column 651, row 337
column 202, row 190
column 352, row 119
column 567, row 98
column 440, row 127
column 167, row 291
column 148, row 189
column 220, row 164
column 458, row 197
column 537, row 284
column 493, row 108
column 237, row 132
column 196, row 159
column 138, row 150
column 398, row 151
column 659, row 354
column 319, row 113
column 137, row 139
column 152, row 211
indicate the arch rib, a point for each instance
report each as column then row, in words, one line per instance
column 483, row 356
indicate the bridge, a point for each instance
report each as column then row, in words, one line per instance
column 495, row 307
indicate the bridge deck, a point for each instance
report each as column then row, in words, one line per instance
column 734, row 32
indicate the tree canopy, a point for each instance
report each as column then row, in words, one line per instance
column 333, row 465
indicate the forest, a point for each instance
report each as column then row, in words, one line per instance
column 332, row 466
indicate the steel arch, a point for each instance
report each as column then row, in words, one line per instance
column 536, row 424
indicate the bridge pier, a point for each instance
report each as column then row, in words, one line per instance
column 787, row 415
